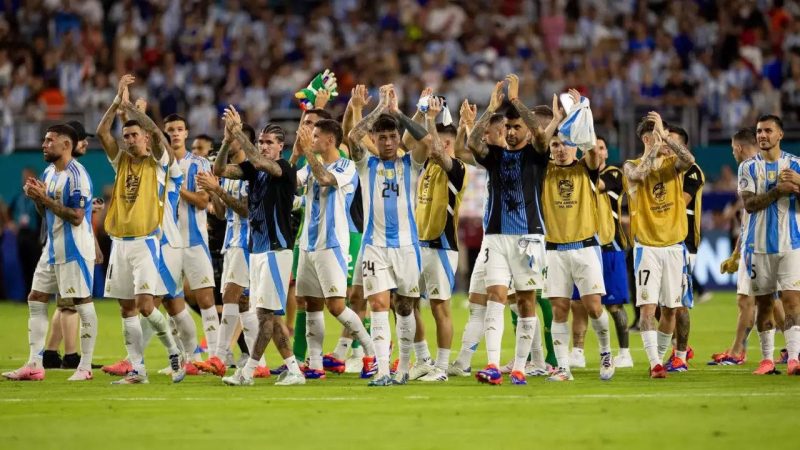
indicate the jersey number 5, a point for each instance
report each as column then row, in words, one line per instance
column 390, row 186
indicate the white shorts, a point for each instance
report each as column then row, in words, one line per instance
column 514, row 257
column 385, row 268
column 438, row 278
column 133, row 269
column 74, row 279
column 775, row 272
column 322, row 273
column 171, row 270
column 197, row 267
column 567, row 269
column 269, row 279
column 236, row 268
column 744, row 278
column 477, row 281
column 662, row 276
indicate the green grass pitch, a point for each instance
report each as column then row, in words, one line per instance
column 721, row 407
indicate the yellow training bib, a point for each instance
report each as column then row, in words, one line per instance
column 658, row 212
column 135, row 209
column 569, row 204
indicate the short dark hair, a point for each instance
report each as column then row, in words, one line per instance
column 250, row 132
column 332, row 127
column 446, row 129
column 320, row 112
column 175, row 118
column 745, row 136
column 645, row 126
column 543, row 110
column 496, row 118
column 680, row 131
column 273, row 128
column 131, row 123
column 385, row 122
column 205, row 137
column 771, row 117
column 511, row 113
column 600, row 137
column 65, row 130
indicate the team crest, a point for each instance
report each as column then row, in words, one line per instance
column 389, row 174
column 566, row 188
column 659, row 192
column 772, row 176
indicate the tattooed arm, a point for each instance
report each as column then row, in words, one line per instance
column 359, row 132
column 104, row 127
column 234, row 124
column 438, row 155
column 36, row 191
column 475, row 141
column 637, row 173
column 757, row 202
column 210, row 183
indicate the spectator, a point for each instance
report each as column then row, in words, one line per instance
column 734, row 111
column 27, row 223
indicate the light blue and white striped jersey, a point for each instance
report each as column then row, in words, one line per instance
column 170, row 229
column 191, row 219
column 326, row 222
column 71, row 187
column 389, row 190
column 774, row 229
column 237, row 231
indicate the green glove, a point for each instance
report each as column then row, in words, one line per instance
column 322, row 81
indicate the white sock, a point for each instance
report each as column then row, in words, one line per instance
column 161, row 330
column 353, row 323
column 88, row 333
column 681, row 354
column 625, row 352
column 132, row 332
column 442, row 358
column 249, row 368
column 292, row 366
column 494, row 324
column 792, row 336
column 537, row 353
column 560, row 332
column 342, row 346
column 358, row 352
column 650, row 341
column 382, row 337
column 767, row 339
column 663, row 341
column 422, row 352
column 187, row 332
column 600, row 327
column 249, row 320
column 230, row 318
column 37, row 332
column 406, row 327
column 147, row 331
column 173, row 330
column 211, row 329
column 526, row 328
column 315, row 335
column 473, row 332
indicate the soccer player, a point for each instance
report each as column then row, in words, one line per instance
column 229, row 196
column 391, row 257
column 513, row 227
column 441, row 187
column 202, row 145
column 573, row 250
column 659, row 227
column 769, row 185
column 614, row 244
column 271, row 183
column 197, row 267
column 133, row 221
column 329, row 185
column 693, row 182
column 744, row 147
column 64, row 197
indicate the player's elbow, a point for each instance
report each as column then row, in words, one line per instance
column 218, row 171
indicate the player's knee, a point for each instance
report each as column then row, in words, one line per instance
column 36, row 296
column 404, row 307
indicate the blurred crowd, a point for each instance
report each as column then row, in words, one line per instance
column 730, row 58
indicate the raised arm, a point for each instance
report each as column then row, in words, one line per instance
column 36, row 190
column 437, row 154
column 104, row 127
column 231, row 116
column 475, row 141
column 466, row 120
column 362, row 128
column 685, row 157
column 540, row 139
column 221, row 166
column 419, row 117
column 210, row 183
column 417, row 131
column 158, row 141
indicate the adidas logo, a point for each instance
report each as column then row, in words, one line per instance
column 206, row 280
column 224, row 321
column 145, row 286
column 86, row 336
column 415, row 290
column 378, row 338
column 71, row 290
column 491, row 329
column 211, row 328
column 693, row 176
column 108, row 288
column 333, row 290
column 556, row 342
column 531, row 282
column 435, row 291
column 595, row 287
